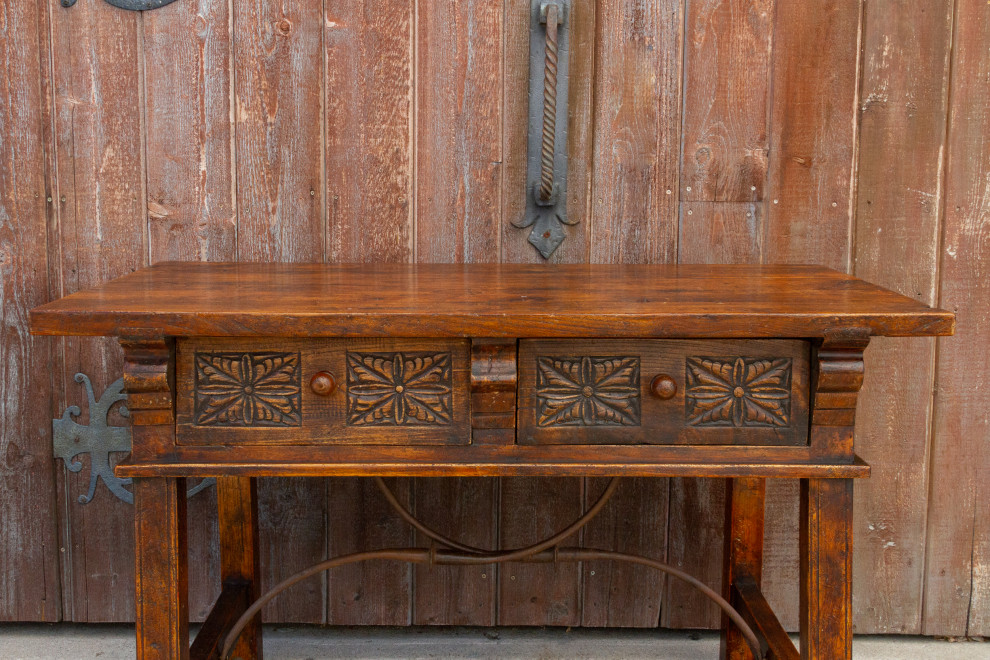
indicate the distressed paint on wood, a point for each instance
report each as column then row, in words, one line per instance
column 530, row 511
column 191, row 191
column 29, row 581
column 102, row 233
column 463, row 509
column 618, row 594
column 359, row 518
column 807, row 204
column 710, row 232
column 278, row 64
column 278, row 115
column 637, row 126
column 458, row 139
column 369, row 151
column 187, row 89
column 727, row 47
column 904, row 99
column 957, row 588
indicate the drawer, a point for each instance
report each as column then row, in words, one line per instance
column 705, row 392
column 322, row 391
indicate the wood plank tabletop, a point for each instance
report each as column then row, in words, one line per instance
column 487, row 300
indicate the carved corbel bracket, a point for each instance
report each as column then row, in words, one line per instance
column 148, row 379
column 839, row 377
column 493, row 391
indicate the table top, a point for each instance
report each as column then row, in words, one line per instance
column 487, row 300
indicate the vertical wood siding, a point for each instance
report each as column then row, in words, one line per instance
column 848, row 133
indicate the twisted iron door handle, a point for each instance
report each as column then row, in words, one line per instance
column 546, row 178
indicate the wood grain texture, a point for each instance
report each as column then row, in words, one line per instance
column 826, row 569
column 727, row 48
column 101, row 233
column 720, row 233
column 162, row 581
column 907, row 47
column 742, row 554
column 359, row 518
column 459, row 141
column 957, row 588
column 579, row 300
column 278, row 114
column 240, row 556
column 812, row 133
column 531, row 510
column 465, row 510
column 368, row 84
column 637, row 122
column 808, row 211
column 187, row 90
column 191, row 193
column 618, row 594
column 29, row 584
column 515, row 247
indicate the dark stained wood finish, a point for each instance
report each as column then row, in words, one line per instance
column 386, row 416
column 753, row 605
column 826, row 568
column 493, row 460
column 742, row 556
column 230, row 605
column 487, row 300
column 599, row 392
column 240, row 557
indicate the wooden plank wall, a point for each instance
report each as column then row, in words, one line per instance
column 850, row 133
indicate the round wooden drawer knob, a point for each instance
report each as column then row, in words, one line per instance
column 663, row 387
column 323, row 383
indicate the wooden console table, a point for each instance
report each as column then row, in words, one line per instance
column 241, row 371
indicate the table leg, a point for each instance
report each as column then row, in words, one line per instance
column 743, row 553
column 826, row 568
column 237, row 504
column 161, row 581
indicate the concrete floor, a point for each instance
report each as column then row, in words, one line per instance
column 113, row 642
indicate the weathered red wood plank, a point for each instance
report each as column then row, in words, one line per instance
column 465, row 510
column 29, row 586
column 191, row 197
column 369, row 92
column 459, row 141
column 710, row 232
column 617, row 594
column 278, row 92
column 530, row 511
column 372, row 592
column 637, row 130
column 187, row 91
column 808, row 209
column 278, row 114
column 957, row 587
column 727, row 46
column 907, row 47
column 102, row 233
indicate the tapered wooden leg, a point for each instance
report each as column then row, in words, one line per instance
column 237, row 503
column 826, row 568
column 743, row 554
column 161, row 580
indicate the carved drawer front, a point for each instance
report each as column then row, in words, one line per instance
column 704, row 392
column 322, row 391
